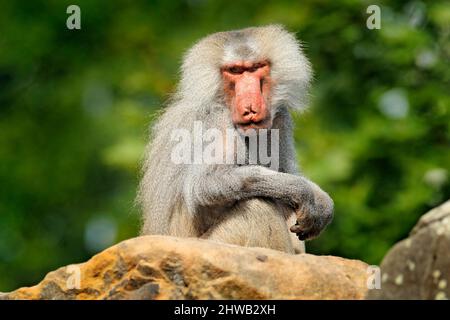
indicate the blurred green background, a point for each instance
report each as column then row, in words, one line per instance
column 75, row 106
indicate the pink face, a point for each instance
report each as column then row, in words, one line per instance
column 247, row 90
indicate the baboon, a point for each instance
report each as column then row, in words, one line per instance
column 245, row 82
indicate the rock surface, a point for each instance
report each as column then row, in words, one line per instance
column 159, row 267
column 419, row 266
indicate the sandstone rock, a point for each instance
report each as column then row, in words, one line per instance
column 159, row 267
column 419, row 267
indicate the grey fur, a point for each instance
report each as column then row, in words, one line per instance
column 241, row 204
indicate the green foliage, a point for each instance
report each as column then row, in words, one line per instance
column 75, row 106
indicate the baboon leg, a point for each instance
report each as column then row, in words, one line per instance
column 254, row 223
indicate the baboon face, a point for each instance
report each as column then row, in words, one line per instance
column 251, row 72
column 247, row 87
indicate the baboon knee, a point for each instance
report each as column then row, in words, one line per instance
column 254, row 223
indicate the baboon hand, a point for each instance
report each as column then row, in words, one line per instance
column 313, row 214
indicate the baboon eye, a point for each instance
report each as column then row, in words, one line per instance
column 235, row 70
column 256, row 66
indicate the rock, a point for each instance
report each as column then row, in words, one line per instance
column 419, row 266
column 160, row 267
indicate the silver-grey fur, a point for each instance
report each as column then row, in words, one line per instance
column 246, row 205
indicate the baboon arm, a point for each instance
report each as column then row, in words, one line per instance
column 225, row 186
